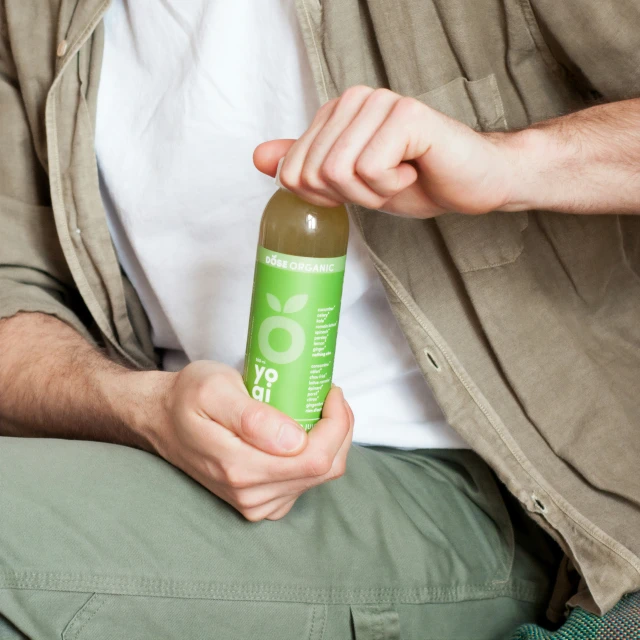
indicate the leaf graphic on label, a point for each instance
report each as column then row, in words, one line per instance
column 274, row 303
column 295, row 303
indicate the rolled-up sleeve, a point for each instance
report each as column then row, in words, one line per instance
column 33, row 273
column 599, row 40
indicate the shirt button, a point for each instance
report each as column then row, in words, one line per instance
column 62, row 49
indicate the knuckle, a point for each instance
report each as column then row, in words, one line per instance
column 252, row 515
column 356, row 93
column 328, row 106
column 337, row 471
column 408, row 107
column 244, row 501
column 288, row 178
column 310, row 180
column 319, row 464
column 334, row 171
column 203, row 391
column 373, row 202
column 382, row 95
column 206, row 387
column 282, row 512
column 368, row 169
column 252, row 418
column 235, row 376
column 235, row 477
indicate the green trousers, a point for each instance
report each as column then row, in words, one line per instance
column 102, row 542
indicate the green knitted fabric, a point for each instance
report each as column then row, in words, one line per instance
column 621, row 623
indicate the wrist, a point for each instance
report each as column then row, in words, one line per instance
column 543, row 164
column 531, row 157
column 138, row 400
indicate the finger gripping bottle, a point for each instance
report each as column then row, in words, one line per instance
column 295, row 305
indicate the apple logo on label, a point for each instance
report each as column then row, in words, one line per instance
column 292, row 305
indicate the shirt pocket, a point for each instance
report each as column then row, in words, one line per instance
column 493, row 239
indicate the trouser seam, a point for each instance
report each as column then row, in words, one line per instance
column 517, row 589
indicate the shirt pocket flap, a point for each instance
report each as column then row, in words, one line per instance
column 476, row 103
column 493, row 239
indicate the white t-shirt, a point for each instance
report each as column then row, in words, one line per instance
column 188, row 89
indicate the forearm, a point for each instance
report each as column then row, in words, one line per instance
column 585, row 162
column 55, row 384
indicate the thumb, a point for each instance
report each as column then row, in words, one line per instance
column 268, row 154
column 257, row 423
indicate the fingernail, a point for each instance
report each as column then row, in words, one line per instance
column 277, row 178
column 290, row 436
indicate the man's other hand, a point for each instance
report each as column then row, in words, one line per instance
column 383, row 151
column 246, row 452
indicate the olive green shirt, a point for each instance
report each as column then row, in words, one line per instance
column 526, row 325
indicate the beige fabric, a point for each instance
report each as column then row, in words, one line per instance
column 532, row 319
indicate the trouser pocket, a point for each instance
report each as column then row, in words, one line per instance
column 105, row 617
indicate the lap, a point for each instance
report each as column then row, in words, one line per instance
column 94, row 535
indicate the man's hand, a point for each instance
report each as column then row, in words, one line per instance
column 247, row 453
column 54, row 384
column 384, row 151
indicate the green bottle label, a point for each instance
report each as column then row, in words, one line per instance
column 292, row 332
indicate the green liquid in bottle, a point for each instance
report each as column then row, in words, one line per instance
column 296, row 305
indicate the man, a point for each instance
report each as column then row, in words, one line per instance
column 520, row 310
